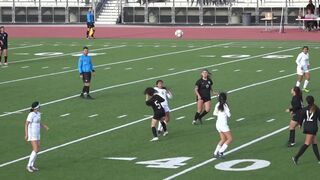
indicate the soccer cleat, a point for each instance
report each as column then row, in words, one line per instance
column 194, row 122
column 89, row 97
column 291, row 144
column 220, row 156
column 34, row 168
column 154, row 139
column 81, row 95
column 29, row 168
column 306, row 90
column 6, row 64
column 165, row 133
column 295, row 161
column 0, row 63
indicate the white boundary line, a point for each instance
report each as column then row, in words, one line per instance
column 61, row 55
column 141, row 120
column 231, row 151
column 113, row 63
column 143, row 80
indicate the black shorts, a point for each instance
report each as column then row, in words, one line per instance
column 296, row 116
column 204, row 98
column 159, row 116
column 90, row 24
column 5, row 46
column 310, row 131
column 86, row 77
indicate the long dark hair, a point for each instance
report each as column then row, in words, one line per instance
column 34, row 105
column 310, row 101
column 222, row 100
column 150, row 91
column 298, row 92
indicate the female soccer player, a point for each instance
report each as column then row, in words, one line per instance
column 203, row 92
column 303, row 67
column 32, row 133
column 154, row 100
column 222, row 112
column 295, row 111
column 310, row 116
column 165, row 94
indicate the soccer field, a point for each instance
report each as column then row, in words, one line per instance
column 108, row 137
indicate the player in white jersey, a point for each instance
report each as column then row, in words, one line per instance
column 165, row 94
column 32, row 133
column 222, row 112
column 303, row 67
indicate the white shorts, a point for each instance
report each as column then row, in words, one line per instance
column 301, row 71
column 166, row 108
column 33, row 135
column 222, row 128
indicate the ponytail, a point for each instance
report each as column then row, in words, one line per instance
column 222, row 100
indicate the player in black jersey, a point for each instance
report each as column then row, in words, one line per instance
column 203, row 92
column 3, row 45
column 154, row 100
column 295, row 111
column 310, row 116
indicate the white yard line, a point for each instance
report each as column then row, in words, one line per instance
column 93, row 115
column 146, row 118
column 121, row 158
column 210, row 118
column 181, row 117
column 113, row 63
column 61, row 55
column 64, row 115
column 143, row 80
column 240, row 119
column 122, row 116
column 270, row 120
column 229, row 152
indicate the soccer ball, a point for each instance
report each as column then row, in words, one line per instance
column 178, row 33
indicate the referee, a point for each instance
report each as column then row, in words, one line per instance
column 85, row 68
column 3, row 46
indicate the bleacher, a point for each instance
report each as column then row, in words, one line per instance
column 44, row 3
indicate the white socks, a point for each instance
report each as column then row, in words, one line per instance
column 160, row 128
column 223, row 148
column 32, row 158
column 298, row 84
column 306, row 82
column 217, row 149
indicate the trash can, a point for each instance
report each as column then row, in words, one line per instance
column 246, row 19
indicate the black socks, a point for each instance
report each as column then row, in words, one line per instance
column 292, row 136
column 154, row 132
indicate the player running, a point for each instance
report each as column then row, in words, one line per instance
column 154, row 100
column 165, row 94
column 90, row 23
column 310, row 116
column 303, row 67
column 222, row 112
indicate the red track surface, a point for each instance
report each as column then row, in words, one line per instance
column 163, row 32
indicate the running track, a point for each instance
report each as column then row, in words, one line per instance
column 161, row 32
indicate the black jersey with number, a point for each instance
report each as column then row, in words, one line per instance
column 204, row 87
column 155, row 102
column 310, row 120
column 4, row 38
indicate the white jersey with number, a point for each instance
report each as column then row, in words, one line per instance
column 34, row 126
column 222, row 118
column 165, row 95
column 302, row 63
